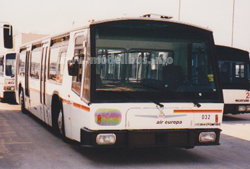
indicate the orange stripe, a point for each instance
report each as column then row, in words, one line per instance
column 197, row 111
column 66, row 101
column 81, row 107
column 35, row 90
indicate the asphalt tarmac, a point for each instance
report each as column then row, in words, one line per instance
column 25, row 142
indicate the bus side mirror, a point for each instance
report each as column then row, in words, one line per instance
column 8, row 36
column 73, row 66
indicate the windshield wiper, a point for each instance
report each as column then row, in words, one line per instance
column 173, row 94
column 177, row 96
column 196, row 103
column 129, row 96
column 156, row 102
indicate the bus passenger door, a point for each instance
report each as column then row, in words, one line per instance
column 1, row 75
column 26, row 86
column 43, row 100
column 77, row 106
column 16, row 78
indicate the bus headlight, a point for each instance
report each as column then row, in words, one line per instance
column 106, row 139
column 247, row 108
column 206, row 137
column 12, row 88
column 242, row 108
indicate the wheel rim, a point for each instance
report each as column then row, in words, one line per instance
column 60, row 122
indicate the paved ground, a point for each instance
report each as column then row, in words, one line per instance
column 26, row 143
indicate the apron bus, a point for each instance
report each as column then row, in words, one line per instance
column 7, row 73
column 129, row 82
column 234, row 76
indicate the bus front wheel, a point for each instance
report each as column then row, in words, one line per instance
column 60, row 122
column 22, row 102
column 60, row 125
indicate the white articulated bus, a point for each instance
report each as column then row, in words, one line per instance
column 234, row 75
column 127, row 82
column 7, row 61
column 7, row 73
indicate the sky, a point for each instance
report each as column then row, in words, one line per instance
column 55, row 16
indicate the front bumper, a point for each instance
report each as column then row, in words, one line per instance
column 187, row 138
column 8, row 95
column 233, row 109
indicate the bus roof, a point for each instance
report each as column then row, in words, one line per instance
column 226, row 52
column 221, row 47
column 116, row 20
column 148, row 19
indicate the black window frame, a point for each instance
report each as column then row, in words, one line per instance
column 81, row 66
column 216, row 97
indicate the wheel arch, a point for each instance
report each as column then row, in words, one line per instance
column 56, row 104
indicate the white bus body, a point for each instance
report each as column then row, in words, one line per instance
column 234, row 76
column 7, row 73
column 118, row 104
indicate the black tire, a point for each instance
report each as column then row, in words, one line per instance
column 22, row 102
column 60, row 127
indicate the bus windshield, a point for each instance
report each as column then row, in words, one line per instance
column 10, row 64
column 234, row 73
column 233, row 67
column 152, row 60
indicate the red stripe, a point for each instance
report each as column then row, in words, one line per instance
column 197, row 111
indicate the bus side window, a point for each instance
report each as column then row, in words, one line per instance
column 78, row 51
column 86, row 86
column 1, row 65
column 57, row 59
column 239, row 70
column 57, row 62
column 35, row 65
column 60, row 66
column 52, row 64
column 21, row 63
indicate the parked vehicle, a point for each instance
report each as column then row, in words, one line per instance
column 127, row 82
column 234, row 76
column 7, row 73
